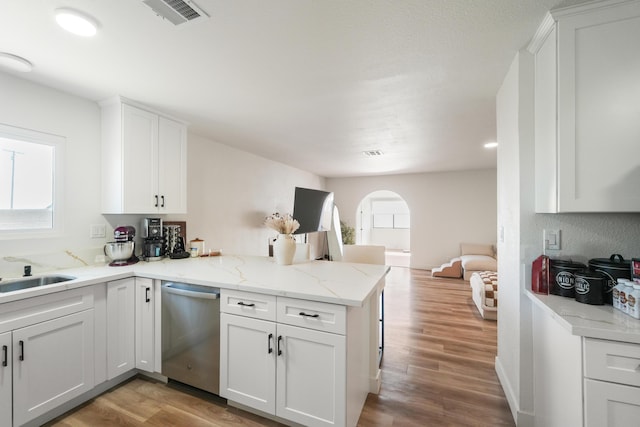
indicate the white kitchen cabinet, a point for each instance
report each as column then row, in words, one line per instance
column 247, row 361
column 121, row 355
column 145, row 324
column 612, row 383
column 294, row 372
column 586, row 109
column 144, row 160
column 6, row 394
column 311, row 376
column 52, row 363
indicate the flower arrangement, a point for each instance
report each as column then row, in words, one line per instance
column 283, row 224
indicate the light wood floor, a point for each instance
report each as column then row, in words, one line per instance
column 438, row 370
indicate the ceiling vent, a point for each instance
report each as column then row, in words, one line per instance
column 176, row 11
column 372, row 153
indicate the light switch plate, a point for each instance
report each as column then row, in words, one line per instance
column 97, row 231
column 551, row 239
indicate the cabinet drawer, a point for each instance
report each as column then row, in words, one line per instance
column 313, row 315
column 612, row 361
column 248, row 304
column 18, row 314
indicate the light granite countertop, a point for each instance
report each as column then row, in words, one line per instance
column 333, row 282
column 592, row 321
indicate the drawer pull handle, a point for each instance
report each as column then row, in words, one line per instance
column 269, row 343
column 244, row 304
column 21, row 344
column 279, row 349
column 156, row 205
column 315, row 316
column 162, row 197
column 5, row 355
column 146, row 294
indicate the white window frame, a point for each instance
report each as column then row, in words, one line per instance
column 59, row 143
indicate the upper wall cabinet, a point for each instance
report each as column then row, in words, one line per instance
column 587, row 109
column 144, row 160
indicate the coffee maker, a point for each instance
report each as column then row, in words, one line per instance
column 153, row 240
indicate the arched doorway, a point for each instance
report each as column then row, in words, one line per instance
column 383, row 218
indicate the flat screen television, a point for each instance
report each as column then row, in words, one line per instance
column 313, row 210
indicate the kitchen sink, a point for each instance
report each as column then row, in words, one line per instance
column 32, row 282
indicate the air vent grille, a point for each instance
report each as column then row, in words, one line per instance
column 373, row 153
column 186, row 11
column 176, row 11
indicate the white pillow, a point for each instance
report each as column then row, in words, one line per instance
column 476, row 249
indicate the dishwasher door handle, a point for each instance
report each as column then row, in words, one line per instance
column 193, row 294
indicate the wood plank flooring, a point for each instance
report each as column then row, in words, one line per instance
column 437, row 370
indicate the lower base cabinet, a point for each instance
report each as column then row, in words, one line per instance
column 6, row 394
column 52, row 364
column 291, row 372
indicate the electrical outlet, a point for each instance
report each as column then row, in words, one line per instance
column 97, row 231
column 551, row 239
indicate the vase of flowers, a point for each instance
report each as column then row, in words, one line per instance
column 284, row 248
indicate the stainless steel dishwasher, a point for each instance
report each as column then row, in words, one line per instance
column 191, row 335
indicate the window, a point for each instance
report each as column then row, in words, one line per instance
column 30, row 182
column 390, row 214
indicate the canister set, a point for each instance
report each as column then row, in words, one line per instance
column 589, row 284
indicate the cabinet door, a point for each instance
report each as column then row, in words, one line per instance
column 53, row 363
column 609, row 404
column 311, row 376
column 172, row 166
column 145, row 330
column 247, row 361
column 120, row 327
column 140, row 160
column 598, row 110
column 6, row 403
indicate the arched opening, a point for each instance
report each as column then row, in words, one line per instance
column 383, row 218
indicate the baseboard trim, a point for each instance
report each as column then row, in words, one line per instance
column 521, row 418
column 512, row 399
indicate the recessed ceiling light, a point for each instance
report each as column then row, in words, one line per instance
column 76, row 22
column 491, row 145
column 15, row 63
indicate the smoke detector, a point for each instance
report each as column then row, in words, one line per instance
column 176, row 11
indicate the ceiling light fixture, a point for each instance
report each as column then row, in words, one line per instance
column 76, row 22
column 15, row 62
column 491, row 145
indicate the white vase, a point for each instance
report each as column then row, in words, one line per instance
column 284, row 248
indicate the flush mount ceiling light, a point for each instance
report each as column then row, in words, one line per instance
column 491, row 145
column 15, row 63
column 76, row 22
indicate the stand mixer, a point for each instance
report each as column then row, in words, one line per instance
column 121, row 250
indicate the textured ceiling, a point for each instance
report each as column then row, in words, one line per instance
column 310, row 83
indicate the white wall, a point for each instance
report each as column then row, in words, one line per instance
column 31, row 106
column 229, row 191
column 584, row 236
column 447, row 208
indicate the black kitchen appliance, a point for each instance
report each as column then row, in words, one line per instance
column 153, row 247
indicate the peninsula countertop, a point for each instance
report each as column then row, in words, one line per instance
column 333, row 282
column 591, row 321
